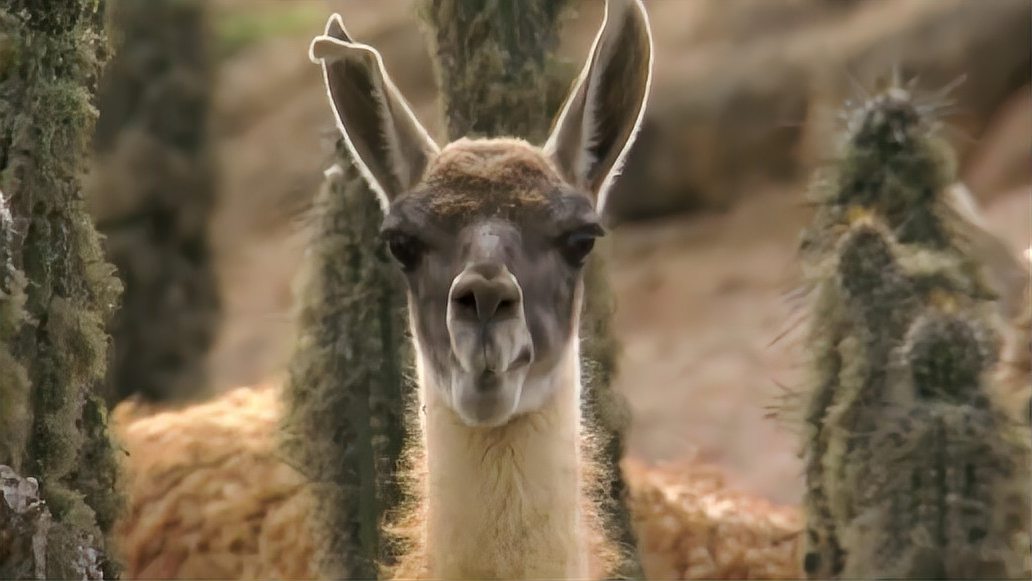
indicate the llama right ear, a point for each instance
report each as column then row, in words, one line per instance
column 600, row 118
column 386, row 141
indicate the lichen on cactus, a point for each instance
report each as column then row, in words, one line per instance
column 349, row 393
column 65, row 290
column 914, row 466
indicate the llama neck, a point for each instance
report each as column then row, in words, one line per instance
column 504, row 502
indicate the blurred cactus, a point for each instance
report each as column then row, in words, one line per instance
column 349, row 392
column 151, row 192
column 56, row 289
column 499, row 77
column 915, row 469
column 495, row 65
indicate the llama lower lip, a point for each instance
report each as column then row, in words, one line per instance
column 488, row 381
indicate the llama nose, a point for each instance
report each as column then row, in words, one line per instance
column 486, row 292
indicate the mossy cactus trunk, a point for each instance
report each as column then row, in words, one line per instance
column 915, row 467
column 58, row 290
column 349, row 392
column 495, row 65
column 151, row 193
column 498, row 76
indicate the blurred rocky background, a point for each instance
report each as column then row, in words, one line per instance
column 706, row 218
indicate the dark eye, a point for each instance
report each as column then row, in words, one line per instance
column 407, row 250
column 576, row 245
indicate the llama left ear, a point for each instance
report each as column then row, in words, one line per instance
column 386, row 141
column 598, row 122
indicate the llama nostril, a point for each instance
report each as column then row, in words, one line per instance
column 467, row 301
column 505, row 307
column 486, row 299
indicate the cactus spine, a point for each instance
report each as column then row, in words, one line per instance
column 914, row 467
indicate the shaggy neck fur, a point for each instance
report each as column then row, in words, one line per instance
column 504, row 502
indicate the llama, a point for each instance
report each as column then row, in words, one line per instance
column 491, row 235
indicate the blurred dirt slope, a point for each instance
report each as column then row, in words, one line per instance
column 699, row 297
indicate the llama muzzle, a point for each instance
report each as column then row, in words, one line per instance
column 491, row 344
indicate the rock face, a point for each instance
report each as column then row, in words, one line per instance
column 25, row 521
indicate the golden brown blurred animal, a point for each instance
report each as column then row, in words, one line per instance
column 211, row 498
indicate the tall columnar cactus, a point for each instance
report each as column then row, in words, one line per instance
column 914, row 467
column 499, row 77
column 151, row 193
column 349, row 392
column 495, row 65
column 56, row 308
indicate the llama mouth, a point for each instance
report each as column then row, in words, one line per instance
column 487, row 382
column 486, row 399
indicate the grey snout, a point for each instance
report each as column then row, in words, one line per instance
column 486, row 322
column 486, row 293
column 490, row 341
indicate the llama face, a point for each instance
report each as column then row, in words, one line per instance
column 491, row 234
column 492, row 243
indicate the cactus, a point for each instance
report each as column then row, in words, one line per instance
column 349, row 392
column 495, row 67
column 58, row 291
column 914, row 466
column 151, row 192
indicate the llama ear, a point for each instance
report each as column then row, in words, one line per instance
column 386, row 141
column 598, row 122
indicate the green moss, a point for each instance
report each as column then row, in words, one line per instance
column 46, row 115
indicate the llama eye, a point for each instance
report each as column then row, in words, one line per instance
column 576, row 245
column 407, row 250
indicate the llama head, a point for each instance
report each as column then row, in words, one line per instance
column 491, row 234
